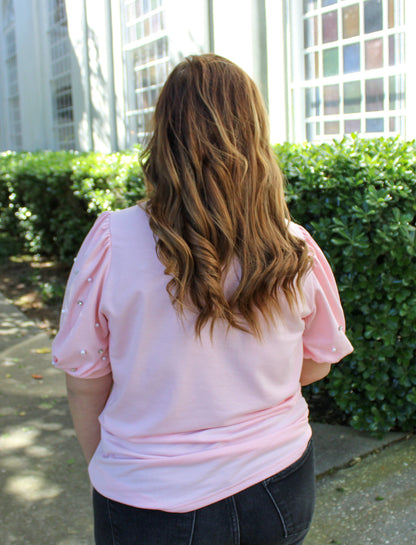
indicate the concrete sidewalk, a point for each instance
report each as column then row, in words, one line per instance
column 366, row 487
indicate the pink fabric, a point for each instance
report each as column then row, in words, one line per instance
column 188, row 421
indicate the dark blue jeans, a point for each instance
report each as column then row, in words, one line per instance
column 277, row 511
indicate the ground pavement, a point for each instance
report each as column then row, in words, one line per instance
column 366, row 487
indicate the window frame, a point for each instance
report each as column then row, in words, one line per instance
column 140, row 117
column 298, row 84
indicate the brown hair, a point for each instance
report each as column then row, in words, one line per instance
column 216, row 195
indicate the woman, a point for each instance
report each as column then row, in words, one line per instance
column 189, row 325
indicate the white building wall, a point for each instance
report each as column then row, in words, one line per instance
column 119, row 73
column 410, row 48
column 278, row 92
column 91, row 74
column 38, row 134
column 33, row 75
column 261, row 48
column 236, row 36
column 233, row 32
column 3, row 111
column 79, row 72
column 96, row 72
column 187, row 28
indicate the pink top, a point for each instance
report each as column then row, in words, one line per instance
column 188, row 422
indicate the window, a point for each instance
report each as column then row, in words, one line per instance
column 12, row 86
column 354, row 73
column 146, row 61
column 61, row 85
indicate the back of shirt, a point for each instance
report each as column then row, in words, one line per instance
column 189, row 421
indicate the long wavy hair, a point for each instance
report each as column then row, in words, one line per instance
column 216, row 196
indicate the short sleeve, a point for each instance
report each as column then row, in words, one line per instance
column 324, row 338
column 81, row 345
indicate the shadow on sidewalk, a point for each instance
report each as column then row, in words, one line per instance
column 43, row 479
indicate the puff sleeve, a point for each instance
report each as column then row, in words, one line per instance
column 324, row 339
column 81, row 345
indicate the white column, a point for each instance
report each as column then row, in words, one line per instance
column 98, row 74
column 410, row 48
column 233, row 32
column 187, row 28
column 33, row 97
column 3, row 106
column 277, row 71
column 112, row 113
column 119, row 80
column 296, row 94
column 42, row 63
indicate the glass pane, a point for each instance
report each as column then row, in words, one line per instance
column 139, row 31
column 329, row 27
column 330, row 59
column 352, row 97
column 374, row 95
column 396, row 49
column 312, row 65
column 310, row 28
column 391, row 13
column 351, row 21
column 155, row 23
column 351, row 54
column 328, row 2
column 312, row 130
column 146, row 26
column 397, row 92
column 309, row 66
column 139, row 102
column 309, row 5
column 396, row 13
column 152, row 75
column 331, row 127
column 161, row 72
column 374, row 54
column 352, row 125
column 374, row 125
column 312, row 102
column 397, row 124
column 132, row 129
column 138, row 8
column 331, row 99
column 161, row 47
column 373, row 16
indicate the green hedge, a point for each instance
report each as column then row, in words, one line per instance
column 51, row 199
column 356, row 197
